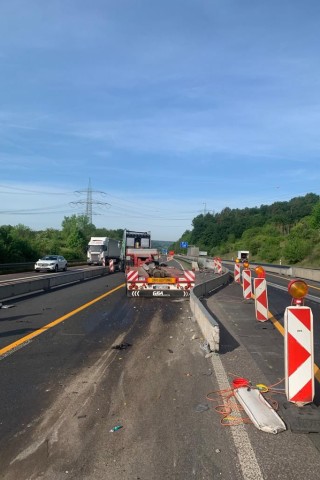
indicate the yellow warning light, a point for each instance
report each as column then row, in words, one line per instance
column 260, row 271
column 298, row 289
column 246, row 264
column 237, row 260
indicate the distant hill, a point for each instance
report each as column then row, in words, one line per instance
column 284, row 232
column 161, row 243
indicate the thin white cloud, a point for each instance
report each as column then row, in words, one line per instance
column 166, row 105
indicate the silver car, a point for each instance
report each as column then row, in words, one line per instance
column 51, row 263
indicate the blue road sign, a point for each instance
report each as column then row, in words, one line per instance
column 184, row 244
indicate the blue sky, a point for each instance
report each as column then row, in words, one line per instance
column 170, row 108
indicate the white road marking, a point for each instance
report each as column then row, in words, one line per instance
column 248, row 462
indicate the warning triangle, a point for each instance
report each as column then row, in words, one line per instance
column 305, row 394
column 263, row 297
column 297, row 354
column 303, row 315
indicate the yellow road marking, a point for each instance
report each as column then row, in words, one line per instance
column 275, row 322
column 45, row 328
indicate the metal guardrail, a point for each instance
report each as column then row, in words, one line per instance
column 27, row 266
column 287, row 270
column 16, row 267
column 294, row 272
column 10, row 289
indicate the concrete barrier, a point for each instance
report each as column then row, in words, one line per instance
column 25, row 287
column 208, row 325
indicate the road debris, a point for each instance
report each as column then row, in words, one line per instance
column 121, row 346
column 205, row 347
column 116, row 428
column 201, row 407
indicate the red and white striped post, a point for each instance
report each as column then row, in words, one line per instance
column 246, row 283
column 237, row 271
column 215, row 262
column 298, row 342
column 260, row 295
column 219, row 266
column 261, row 299
column 111, row 266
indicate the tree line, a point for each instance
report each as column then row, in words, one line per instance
column 288, row 231
column 21, row 244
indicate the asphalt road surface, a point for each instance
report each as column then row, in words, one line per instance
column 62, row 393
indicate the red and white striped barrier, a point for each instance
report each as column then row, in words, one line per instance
column 237, row 271
column 261, row 299
column 215, row 263
column 246, row 284
column 219, row 266
column 132, row 276
column 299, row 376
column 189, row 275
column 111, row 266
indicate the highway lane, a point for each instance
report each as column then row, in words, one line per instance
column 61, row 393
column 24, row 318
column 47, row 359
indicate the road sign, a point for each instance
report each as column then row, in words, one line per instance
column 184, row 244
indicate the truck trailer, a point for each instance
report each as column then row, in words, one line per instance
column 146, row 276
column 104, row 251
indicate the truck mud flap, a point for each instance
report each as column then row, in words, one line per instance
column 158, row 293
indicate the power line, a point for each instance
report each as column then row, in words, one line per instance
column 90, row 201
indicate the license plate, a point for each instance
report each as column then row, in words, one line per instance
column 161, row 280
column 161, row 287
